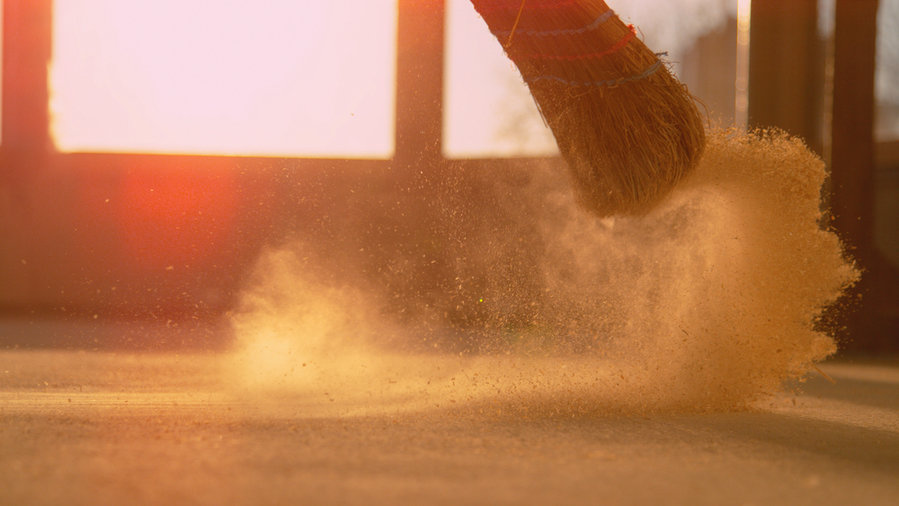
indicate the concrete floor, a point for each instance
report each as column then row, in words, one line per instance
column 116, row 428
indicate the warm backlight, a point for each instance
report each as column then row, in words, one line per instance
column 175, row 220
column 280, row 77
column 488, row 110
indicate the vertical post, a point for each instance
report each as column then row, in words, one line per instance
column 419, row 80
column 874, row 325
column 27, row 37
column 852, row 145
column 786, row 72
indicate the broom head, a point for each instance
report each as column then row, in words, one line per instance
column 627, row 128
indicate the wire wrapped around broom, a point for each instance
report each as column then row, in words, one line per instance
column 628, row 129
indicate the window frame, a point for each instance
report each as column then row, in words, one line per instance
column 48, row 278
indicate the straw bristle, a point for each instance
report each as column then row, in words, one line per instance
column 628, row 129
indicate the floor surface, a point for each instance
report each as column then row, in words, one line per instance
column 118, row 428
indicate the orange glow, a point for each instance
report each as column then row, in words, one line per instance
column 171, row 221
column 224, row 77
column 1, row 66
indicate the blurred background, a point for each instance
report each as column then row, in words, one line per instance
column 151, row 150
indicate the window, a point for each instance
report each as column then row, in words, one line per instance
column 237, row 77
column 886, row 125
column 489, row 111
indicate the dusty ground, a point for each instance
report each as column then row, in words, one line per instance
column 107, row 428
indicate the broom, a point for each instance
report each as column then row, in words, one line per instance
column 627, row 128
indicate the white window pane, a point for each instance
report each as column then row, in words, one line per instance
column 488, row 110
column 887, row 126
column 286, row 77
column 674, row 26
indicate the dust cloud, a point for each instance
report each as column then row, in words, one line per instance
column 709, row 302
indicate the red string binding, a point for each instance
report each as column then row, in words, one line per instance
column 506, row 6
column 632, row 32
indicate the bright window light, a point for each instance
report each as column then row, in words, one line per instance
column 237, row 77
column 488, row 110
column 886, row 127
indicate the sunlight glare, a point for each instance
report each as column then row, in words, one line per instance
column 489, row 111
column 224, row 77
column 744, row 9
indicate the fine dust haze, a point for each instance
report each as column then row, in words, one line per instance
column 709, row 302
